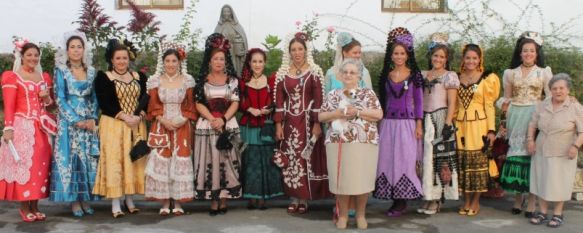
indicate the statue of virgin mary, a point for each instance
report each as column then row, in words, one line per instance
column 230, row 28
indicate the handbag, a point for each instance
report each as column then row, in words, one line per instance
column 445, row 173
column 223, row 141
column 139, row 150
column 419, row 168
column 267, row 132
column 157, row 139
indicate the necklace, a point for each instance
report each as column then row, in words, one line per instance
column 75, row 66
column 527, row 66
column 299, row 69
column 28, row 69
column 403, row 89
column 120, row 74
column 172, row 78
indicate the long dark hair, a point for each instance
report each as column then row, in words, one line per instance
column 247, row 72
column 517, row 60
column 214, row 43
column 72, row 38
column 388, row 66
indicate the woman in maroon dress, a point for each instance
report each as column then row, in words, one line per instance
column 298, row 97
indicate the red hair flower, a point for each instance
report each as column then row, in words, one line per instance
column 181, row 53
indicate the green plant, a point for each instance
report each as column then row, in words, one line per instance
column 47, row 59
column 144, row 28
column 273, row 54
column 185, row 34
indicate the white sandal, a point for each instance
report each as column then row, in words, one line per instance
column 164, row 212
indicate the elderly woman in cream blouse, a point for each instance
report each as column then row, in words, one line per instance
column 552, row 173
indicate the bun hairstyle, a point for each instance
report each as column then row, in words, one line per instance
column 28, row 46
column 215, row 43
column 114, row 45
column 439, row 42
column 526, row 38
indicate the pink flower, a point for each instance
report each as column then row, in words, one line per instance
column 144, row 69
column 330, row 29
column 298, row 23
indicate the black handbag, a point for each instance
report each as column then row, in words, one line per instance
column 267, row 132
column 223, row 142
column 139, row 150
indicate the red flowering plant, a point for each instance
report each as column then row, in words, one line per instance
column 221, row 43
column 144, row 28
column 98, row 27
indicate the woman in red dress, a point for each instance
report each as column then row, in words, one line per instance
column 24, row 171
column 298, row 97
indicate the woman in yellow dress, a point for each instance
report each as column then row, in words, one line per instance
column 119, row 91
column 475, row 119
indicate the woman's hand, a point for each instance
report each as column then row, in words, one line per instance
column 419, row 132
column 265, row 111
column 131, row 120
column 255, row 112
column 90, row 125
column 351, row 112
column 167, row 124
column 278, row 132
column 81, row 124
column 505, row 106
column 491, row 138
column 316, row 130
column 8, row 135
column 43, row 94
column 531, row 147
column 573, row 152
column 217, row 124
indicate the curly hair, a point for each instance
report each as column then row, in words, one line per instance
column 517, row 60
column 247, row 72
column 214, row 43
column 388, row 64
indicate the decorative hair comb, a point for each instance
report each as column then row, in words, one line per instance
column 535, row 36
column 438, row 38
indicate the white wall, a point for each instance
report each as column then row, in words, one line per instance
column 46, row 20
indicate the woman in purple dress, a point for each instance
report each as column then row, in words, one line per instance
column 401, row 97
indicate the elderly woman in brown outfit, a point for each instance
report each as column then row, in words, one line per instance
column 552, row 172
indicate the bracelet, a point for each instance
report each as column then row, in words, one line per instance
column 575, row 145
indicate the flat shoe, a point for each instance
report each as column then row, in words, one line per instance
column 164, row 212
column 178, row 211
column 222, row 211
column 28, row 217
column 78, row 213
column 516, row 211
column 463, row 211
column 118, row 214
column 473, row 212
column 40, row 216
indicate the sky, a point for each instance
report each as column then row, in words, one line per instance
column 47, row 20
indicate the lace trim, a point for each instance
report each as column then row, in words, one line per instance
column 19, row 171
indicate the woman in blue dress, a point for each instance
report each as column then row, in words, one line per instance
column 76, row 147
column 346, row 47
